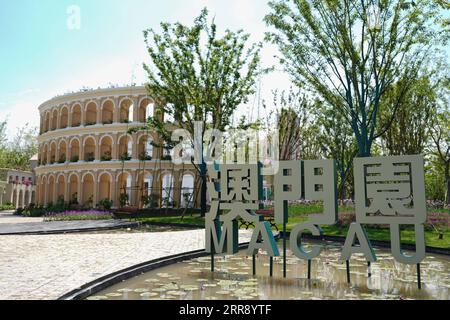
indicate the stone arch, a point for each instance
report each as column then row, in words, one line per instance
column 124, row 184
column 47, row 121
column 145, row 147
column 51, row 188
column 73, row 181
column 108, row 111
column 88, row 186
column 89, row 148
column 104, row 181
column 76, row 115
column 62, row 146
column 90, row 114
column 167, row 189
column 187, row 188
column 106, row 145
column 61, row 185
column 145, row 183
column 52, row 152
column 75, row 149
column 64, row 117
column 125, row 147
column 55, row 119
column 44, row 157
column 126, row 110
column 145, row 109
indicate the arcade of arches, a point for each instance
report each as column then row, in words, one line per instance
column 86, row 153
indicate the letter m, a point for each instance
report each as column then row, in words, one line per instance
column 221, row 239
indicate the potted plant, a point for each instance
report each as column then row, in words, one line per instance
column 62, row 158
column 145, row 157
column 74, row 158
column 125, row 157
column 105, row 204
column 149, row 201
column 123, row 199
column 89, row 157
column 106, row 156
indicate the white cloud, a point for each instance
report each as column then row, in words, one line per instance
column 120, row 66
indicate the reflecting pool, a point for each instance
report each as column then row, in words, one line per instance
column 233, row 279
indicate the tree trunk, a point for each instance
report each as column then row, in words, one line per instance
column 342, row 189
column 447, row 181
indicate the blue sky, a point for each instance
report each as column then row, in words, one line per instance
column 41, row 57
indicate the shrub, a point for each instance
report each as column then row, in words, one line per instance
column 123, row 199
column 106, row 156
column 78, row 215
column 7, row 206
column 150, row 201
column 62, row 158
column 90, row 156
column 105, row 204
column 145, row 157
column 125, row 157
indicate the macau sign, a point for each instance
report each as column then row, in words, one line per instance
column 388, row 191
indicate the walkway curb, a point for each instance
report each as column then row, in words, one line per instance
column 80, row 230
column 111, row 279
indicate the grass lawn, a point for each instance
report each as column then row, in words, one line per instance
column 299, row 213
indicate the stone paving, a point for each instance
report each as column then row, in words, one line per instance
column 7, row 217
column 61, row 226
column 48, row 266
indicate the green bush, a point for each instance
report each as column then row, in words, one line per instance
column 150, row 201
column 105, row 204
column 7, row 206
column 123, row 199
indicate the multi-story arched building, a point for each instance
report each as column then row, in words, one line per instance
column 86, row 153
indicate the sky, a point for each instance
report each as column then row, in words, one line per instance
column 44, row 52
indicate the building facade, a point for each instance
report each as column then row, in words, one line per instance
column 17, row 187
column 86, row 154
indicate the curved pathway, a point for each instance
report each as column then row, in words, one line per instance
column 48, row 266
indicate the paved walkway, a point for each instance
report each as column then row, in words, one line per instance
column 48, row 266
column 11, row 224
column 61, row 226
column 9, row 217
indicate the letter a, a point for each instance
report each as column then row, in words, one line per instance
column 356, row 232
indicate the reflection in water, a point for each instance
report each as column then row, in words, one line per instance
column 233, row 279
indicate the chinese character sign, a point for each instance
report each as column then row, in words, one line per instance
column 388, row 191
column 391, row 190
column 235, row 190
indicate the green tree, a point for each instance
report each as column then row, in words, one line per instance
column 16, row 152
column 409, row 132
column 195, row 75
column 440, row 133
column 292, row 115
column 348, row 53
column 337, row 142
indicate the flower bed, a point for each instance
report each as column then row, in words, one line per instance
column 78, row 215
